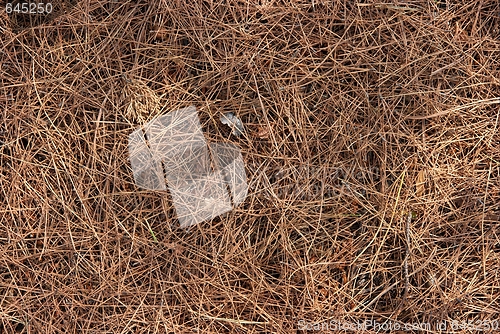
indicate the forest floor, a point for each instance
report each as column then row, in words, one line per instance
column 371, row 148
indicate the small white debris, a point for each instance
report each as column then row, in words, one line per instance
column 234, row 122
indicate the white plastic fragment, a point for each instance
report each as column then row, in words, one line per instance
column 172, row 152
column 233, row 122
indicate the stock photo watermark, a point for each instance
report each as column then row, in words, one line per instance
column 384, row 326
column 312, row 182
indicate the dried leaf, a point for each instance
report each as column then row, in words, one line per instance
column 262, row 132
column 420, row 183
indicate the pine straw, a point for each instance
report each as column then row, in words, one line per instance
column 371, row 152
